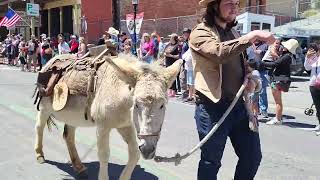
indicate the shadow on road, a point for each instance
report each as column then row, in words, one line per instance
column 299, row 79
column 290, row 124
column 93, row 170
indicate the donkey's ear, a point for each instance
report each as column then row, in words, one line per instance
column 171, row 72
column 127, row 70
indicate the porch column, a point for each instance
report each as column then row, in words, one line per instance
column 61, row 19
column 49, row 22
column 76, row 17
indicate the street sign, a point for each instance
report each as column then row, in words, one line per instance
column 32, row 9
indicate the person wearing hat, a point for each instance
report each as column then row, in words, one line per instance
column 280, row 78
column 218, row 60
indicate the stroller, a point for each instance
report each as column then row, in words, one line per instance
column 309, row 111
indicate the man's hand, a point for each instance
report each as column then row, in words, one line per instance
column 264, row 36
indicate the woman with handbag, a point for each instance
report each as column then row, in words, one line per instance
column 312, row 63
column 280, row 79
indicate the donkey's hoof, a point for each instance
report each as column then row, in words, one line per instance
column 41, row 160
column 83, row 175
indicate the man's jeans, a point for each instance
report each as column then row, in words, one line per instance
column 246, row 143
column 263, row 98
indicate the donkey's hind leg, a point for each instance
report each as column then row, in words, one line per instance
column 69, row 137
column 39, row 127
column 129, row 136
column 103, row 135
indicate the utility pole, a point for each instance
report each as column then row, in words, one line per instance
column 32, row 21
column 9, row 3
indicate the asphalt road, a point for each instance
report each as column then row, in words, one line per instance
column 290, row 151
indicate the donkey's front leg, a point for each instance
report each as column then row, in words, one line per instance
column 103, row 151
column 39, row 127
column 69, row 137
column 129, row 135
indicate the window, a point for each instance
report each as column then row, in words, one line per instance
column 266, row 26
column 255, row 26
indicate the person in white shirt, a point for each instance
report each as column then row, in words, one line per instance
column 63, row 47
column 187, row 57
column 312, row 63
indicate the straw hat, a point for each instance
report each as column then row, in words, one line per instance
column 60, row 96
column 204, row 3
column 112, row 31
column 291, row 45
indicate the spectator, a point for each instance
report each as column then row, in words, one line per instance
column 146, row 48
column 123, row 37
column 63, row 47
column 187, row 58
column 161, row 47
column 183, row 72
column 47, row 51
column 10, row 51
column 171, row 54
column 32, row 54
column 312, row 64
column 22, row 54
column 280, row 79
column 257, row 52
column 15, row 43
column 111, row 40
column 154, row 38
column 103, row 39
column 128, row 47
column 38, row 53
column 82, row 48
column 74, row 44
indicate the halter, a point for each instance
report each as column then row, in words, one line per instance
column 156, row 134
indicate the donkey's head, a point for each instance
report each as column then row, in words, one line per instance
column 150, row 83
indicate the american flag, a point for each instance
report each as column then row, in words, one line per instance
column 10, row 19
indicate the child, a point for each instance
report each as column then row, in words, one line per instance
column 251, row 95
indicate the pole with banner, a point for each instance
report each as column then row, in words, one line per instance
column 134, row 26
column 135, row 9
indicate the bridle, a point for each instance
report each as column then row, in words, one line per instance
column 142, row 136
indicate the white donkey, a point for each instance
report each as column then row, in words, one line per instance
column 130, row 96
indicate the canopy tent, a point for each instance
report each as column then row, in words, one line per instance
column 306, row 27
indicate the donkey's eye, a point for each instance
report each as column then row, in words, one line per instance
column 162, row 106
column 136, row 106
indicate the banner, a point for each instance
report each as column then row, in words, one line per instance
column 130, row 24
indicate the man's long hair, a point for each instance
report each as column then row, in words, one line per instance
column 211, row 12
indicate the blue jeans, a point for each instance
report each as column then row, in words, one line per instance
column 246, row 143
column 263, row 98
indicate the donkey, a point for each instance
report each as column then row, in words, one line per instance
column 130, row 96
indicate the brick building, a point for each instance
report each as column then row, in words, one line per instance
column 167, row 16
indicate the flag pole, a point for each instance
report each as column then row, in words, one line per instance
column 9, row 2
